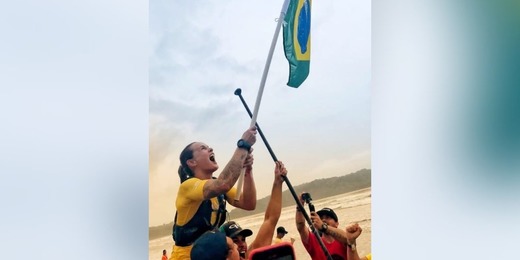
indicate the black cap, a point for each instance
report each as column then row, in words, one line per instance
column 328, row 212
column 281, row 229
column 211, row 245
column 232, row 229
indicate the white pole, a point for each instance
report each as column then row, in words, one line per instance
column 262, row 84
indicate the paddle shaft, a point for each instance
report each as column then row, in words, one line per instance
column 238, row 92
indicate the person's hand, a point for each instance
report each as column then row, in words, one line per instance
column 353, row 232
column 279, row 171
column 302, row 201
column 248, row 163
column 316, row 220
column 292, row 240
column 250, row 135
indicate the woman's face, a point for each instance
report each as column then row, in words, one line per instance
column 203, row 158
column 233, row 250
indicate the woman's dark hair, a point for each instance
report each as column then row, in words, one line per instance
column 185, row 171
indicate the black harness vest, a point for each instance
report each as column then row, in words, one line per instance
column 200, row 222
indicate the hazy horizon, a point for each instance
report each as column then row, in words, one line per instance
column 284, row 188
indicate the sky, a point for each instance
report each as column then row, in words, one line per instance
column 202, row 51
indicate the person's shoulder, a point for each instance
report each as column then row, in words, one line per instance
column 190, row 185
column 192, row 181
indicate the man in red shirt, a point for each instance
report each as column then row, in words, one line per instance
column 340, row 244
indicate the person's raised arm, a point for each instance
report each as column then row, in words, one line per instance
column 352, row 232
column 300, row 223
column 231, row 172
column 247, row 198
column 272, row 213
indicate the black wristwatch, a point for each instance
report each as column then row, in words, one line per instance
column 324, row 227
column 243, row 145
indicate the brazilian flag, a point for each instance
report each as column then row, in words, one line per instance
column 297, row 40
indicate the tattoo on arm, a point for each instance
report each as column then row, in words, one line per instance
column 232, row 170
column 226, row 179
column 333, row 232
column 212, row 189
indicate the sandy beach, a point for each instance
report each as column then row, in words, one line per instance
column 350, row 207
